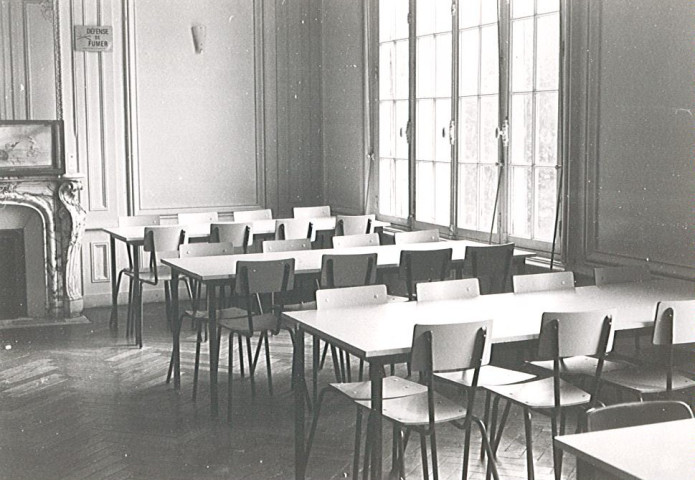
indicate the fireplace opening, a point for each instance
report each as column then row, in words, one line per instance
column 13, row 291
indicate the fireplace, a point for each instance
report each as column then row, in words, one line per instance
column 51, row 220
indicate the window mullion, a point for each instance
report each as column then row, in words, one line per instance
column 453, row 127
column 412, row 109
column 503, row 97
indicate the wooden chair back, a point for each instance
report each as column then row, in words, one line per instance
column 286, row 245
column 339, row 271
column 543, row 282
column 365, row 240
column 206, row 249
column 139, row 221
column 417, row 266
column 251, row 215
column 238, row 233
column 492, row 265
column 194, row 218
column 351, row 297
column 311, row 212
column 293, row 228
column 674, row 323
column 163, row 239
column 354, row 224
column 264, row 276
column 448, row 290
column 624, row 274
column 417, row 236
column 571, row 334
column 451, row 346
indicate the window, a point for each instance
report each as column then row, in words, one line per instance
column 457, row 155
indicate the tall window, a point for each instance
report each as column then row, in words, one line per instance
column 516, row 180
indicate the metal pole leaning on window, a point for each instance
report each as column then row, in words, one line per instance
column 558, row 204
column 503, row 134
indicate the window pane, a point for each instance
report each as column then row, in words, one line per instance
column 425, row 17
column 401, row 189
column 468, row 129
column 488, row 124
column 401, row 123
column 546, row 191
column 546, row 128
column 443, row 187
column 443, row 117
column 387, row 128
column 543, row 6
column 442, row 14
column 468, row 65
column 469, row 13
column 400, row 8
column 386, row 70
column 468, row 196
column 443, row 65
column 522, row 8
column 521, row 146
column 488, row 190
column 489, row 60
column 425, row 192
column 522, row 55
column 387, row 21
column 425, row 67
column 548, row 55
column 401, row 71
column 488, row 11
column 520, row 202
column 425, row 127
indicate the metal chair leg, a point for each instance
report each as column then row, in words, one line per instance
column 267, row 363
column 358, row 437
column 241, row 355
column 196, row 368
column 530, row 474
column 230, row 369
column 423, row 454
column 249, row 352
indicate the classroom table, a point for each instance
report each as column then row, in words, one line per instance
column 382, row 334
column 215, row 271
column 655, row 451
column 135, row 236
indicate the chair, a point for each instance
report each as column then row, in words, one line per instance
column 263, row 285
column 311, row 212
column 625, row 274
column 440, row 348
column 489, row 374
column 137, row 221
column 238, row 233
column 193, row 218
column 392, row 386
column 417, row 266
column 562, row 335
column 293, row 228
column 673, row 325
column 197, row 314
column 364, row 240
column 160, row 242
column 286, row 245
column 543, row 282
column 354, row 224
column 491, row 265
column 417, row 236
column 251, row 215
column 628, row 415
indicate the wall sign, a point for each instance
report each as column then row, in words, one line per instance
column 97, row 38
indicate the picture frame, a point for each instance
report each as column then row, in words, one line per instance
column 31, row 148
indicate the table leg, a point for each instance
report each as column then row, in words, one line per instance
column 212, row 345
column 137, row 308
column 376, row 375
column 299, row 420
column 175, row 322
column 316, row 352
column 113, row 322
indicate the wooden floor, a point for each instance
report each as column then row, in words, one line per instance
column 82, row 403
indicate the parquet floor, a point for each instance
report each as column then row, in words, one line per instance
column 82, row 403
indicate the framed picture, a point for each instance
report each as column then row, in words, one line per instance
column 31, row 147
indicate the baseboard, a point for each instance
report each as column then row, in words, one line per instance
column 150, row 295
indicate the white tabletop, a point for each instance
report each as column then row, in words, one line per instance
column 657, row 451
column 386, row 330
column 308, row 261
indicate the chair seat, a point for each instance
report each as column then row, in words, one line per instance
column 539, row 393
column 235, row 319
column 298, row 307
column 413, row 409
column 581, row 365
column 201, row 315
column 147, row 275
column 392, row 386
column 490, row 375
column 647, row 379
